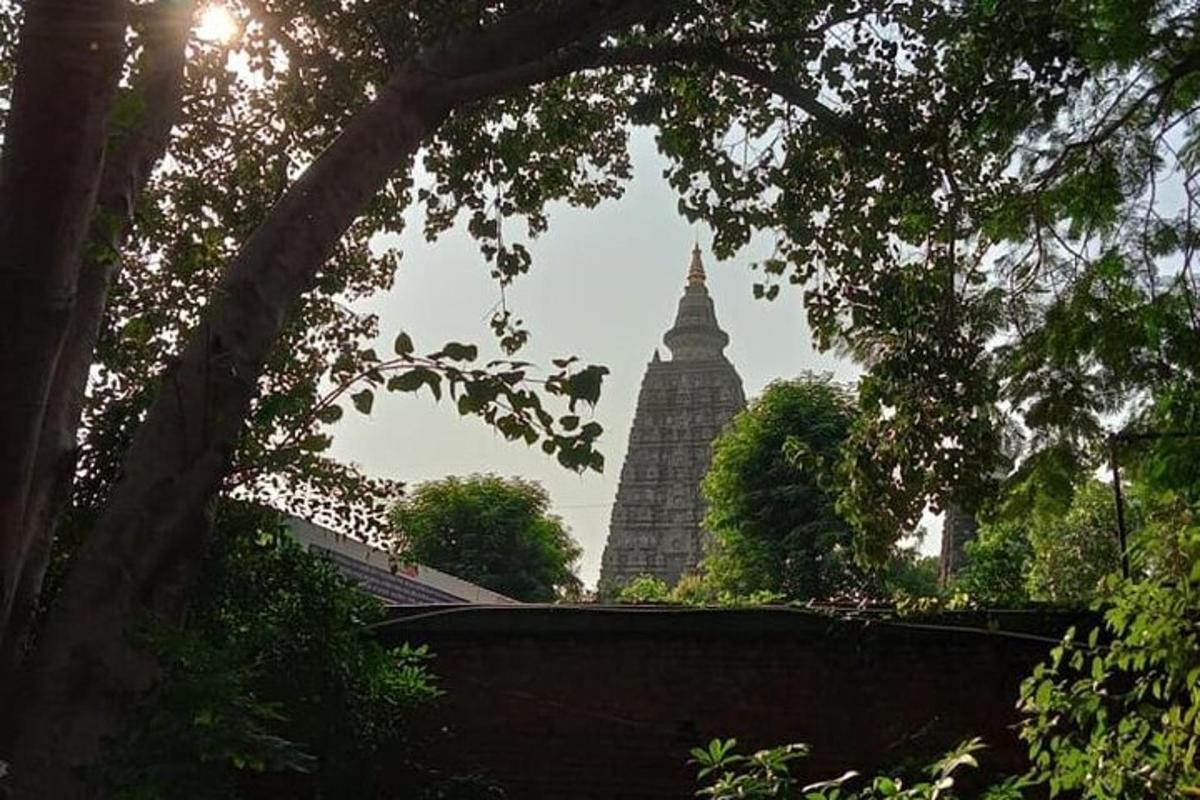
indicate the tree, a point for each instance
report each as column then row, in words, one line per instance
column 1049, row 287
column 997, row 566
column 1072, row 555
column 771, row 494
column 1065, row 555
column 908, row 574
column 278, row 178
column 497, row 532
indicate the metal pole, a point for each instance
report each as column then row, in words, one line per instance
column 1119, row 499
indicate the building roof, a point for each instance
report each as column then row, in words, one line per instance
column 373, row 569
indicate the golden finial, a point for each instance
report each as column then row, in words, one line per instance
column 696, row 270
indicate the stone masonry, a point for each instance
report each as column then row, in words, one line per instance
column 683, row 404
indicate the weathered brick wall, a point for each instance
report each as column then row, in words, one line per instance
column 563, row 702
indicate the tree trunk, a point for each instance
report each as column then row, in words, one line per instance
column 67, row 65
column 139, row 561
column 137, row 565
column 127, row 167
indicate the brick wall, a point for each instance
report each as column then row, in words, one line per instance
column 573, row 703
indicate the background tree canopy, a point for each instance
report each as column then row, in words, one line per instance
column 778, row 473
column 1049, row 292
column 1056, row 557
column 496, row 532
column 771, row 494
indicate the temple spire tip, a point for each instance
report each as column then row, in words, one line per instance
column 696, row 269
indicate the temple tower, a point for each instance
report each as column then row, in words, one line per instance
column 682, row 406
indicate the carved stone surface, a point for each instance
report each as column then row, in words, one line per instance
column 683, row 404
column 958, row 528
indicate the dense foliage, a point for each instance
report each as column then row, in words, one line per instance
column 1006, row 247
column 276, row 686
column 726, row 774
column 989, row 204
column 997, row 570
column 1115, row 715
column 496, row 532
column 292, row 79
column 909, row 580
column 771, row 491
column 691, row 590
column 1060, row 558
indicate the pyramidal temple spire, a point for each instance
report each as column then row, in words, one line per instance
column 696, row 274
column 656, row 526
column 696, row 334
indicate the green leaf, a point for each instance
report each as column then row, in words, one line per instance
column 403, row 345
column 315, row 443
column 408, row 381
column 330, row 414
column 363, row 401
column 456, row 351
column 434, row 382
column 1043, row 694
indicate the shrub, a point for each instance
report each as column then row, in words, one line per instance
column 276, row 687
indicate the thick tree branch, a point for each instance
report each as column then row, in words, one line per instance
column 528, row 38
column 719, row 55
column 589, row 54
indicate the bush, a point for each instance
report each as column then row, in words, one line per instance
column 645, row 589
column 276, row 687
column 1117, row 715
column 766, row 775
column 693, row 589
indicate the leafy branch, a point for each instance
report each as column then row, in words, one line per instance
column 501, row 393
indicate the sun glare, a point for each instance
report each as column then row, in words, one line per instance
column 216, row 25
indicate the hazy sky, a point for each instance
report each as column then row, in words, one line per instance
column 604, row 286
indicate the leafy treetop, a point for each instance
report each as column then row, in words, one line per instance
column 771, row 493
column 497, row 532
